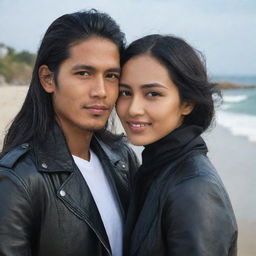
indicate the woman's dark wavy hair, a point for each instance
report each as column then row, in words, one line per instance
column 36, row 116
column 186, row 69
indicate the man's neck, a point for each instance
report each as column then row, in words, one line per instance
column 78, row 140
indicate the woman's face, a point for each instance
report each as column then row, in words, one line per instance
column 149, row 105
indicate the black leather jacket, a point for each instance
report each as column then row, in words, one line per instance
column 187, row 212
column 46, row 207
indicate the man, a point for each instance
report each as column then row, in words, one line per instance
column 63, row 176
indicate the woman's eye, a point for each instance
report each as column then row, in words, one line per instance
column 82, row 73
column 153, row 94
column 124, row 93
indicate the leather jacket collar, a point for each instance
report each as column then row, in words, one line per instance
column 54, row 155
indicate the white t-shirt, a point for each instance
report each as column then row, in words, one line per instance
column 105, row 200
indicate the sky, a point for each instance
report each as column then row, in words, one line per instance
column 223, row 30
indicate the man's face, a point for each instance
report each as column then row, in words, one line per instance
column 87, row 85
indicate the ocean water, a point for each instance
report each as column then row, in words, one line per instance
column 238, row 111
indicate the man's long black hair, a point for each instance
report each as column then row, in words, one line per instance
column 36, row 117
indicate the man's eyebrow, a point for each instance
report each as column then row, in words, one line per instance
column 117, row 70
column 77, row 67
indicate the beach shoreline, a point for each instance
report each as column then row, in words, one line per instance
column 234, row 159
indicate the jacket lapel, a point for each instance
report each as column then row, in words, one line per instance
column 116, row 172
column 151, row 207
column 77, row 197
column 150, row 210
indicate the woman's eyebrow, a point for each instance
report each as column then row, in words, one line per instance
column 144, row 86
column 125, row 85
column 152, row 85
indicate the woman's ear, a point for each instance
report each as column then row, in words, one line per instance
column 46, row 77
column 187, row 107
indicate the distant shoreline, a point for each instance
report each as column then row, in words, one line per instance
column 228, row 85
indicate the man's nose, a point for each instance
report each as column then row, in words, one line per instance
column 99, row 88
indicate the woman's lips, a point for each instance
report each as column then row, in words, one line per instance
column 137, row 126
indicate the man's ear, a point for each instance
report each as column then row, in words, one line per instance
column 187, row 107
column 46, row 77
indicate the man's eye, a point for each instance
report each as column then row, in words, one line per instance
column 82, row 73
column 112, row 76
column 124, row 93
column 153, row 94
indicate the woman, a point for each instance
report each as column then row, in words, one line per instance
column 179, row 204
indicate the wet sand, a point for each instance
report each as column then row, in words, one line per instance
column 234, row 158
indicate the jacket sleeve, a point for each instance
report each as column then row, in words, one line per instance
column 198, row 220
column 15, row 216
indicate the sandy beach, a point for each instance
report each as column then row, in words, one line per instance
column 11, row 99
column 233, row 156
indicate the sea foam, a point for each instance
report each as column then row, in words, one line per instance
column 238, row 124
column 234, row 98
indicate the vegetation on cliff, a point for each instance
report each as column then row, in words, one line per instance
column 16, row 67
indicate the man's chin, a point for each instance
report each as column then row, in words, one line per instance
column 95, row 128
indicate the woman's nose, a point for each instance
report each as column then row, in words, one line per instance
column 136, row 107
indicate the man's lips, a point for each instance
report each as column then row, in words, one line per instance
column 97, row 109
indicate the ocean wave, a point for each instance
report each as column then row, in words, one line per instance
column 238, row 124
column 225, row 106
column 234, row 98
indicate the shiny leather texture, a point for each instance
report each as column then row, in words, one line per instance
column 187, row 212
column 46, row 208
